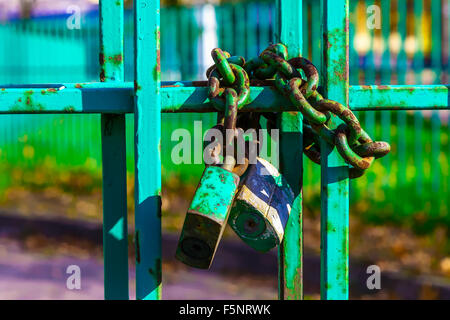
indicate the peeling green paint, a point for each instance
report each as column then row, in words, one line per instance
column 334, row 170
column 115, row 227
column 290, row 254
column 147, row 113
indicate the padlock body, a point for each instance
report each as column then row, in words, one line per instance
column 207, row 217
column 261, row 207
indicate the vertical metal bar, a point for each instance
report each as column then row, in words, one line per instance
column 418, row 65
column 334, row 178
column 147, row 150
column 435, row 163
column 448, row 175
column 115, row 239
column 353, row 54
column 353, row 74
column 402, row 64
column 290, row 255
column 386, row 32
column 315, row 34
column 370, row 67
column 227, row 27
column 251, row 29
column 165, row 45
column 386, row 78
column 370, row 78
column 305, row 29
column 183, row 36
column 354, row 78
column 436, row 40
column 240, row 29
column 264, row 32
column 446, row 31
column 310, row 40
column 418, row 153
column 401, row 157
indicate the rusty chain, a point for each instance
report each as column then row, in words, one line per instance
column 232, row 73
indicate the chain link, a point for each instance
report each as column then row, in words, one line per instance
column 298, row 80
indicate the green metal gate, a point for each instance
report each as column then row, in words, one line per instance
column 147, row 97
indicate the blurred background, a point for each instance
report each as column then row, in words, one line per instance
column 50, row 181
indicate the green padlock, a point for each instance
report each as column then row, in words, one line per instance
column 207, row 217
column 262, row 205
column 208, row 213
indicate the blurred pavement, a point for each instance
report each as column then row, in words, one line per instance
column 27, row 275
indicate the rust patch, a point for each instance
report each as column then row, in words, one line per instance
column 137, row 87
column 101, row 58
column 102, row 75
column 79, row 86
column 116, row 59
column 341, row 75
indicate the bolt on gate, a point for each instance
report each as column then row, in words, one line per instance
column 147, row 97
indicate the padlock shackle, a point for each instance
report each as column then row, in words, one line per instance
column 229, row 162
column 230, row 126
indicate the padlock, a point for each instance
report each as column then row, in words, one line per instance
column 208, row 213
column 261, row 207
column 207, row 216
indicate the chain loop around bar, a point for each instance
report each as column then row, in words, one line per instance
column 219, row 79
column 298, row 80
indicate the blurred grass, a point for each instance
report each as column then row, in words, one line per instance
column 65, row 156
column 76, row 194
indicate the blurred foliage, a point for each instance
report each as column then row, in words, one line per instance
column 129, row 3
column 377, row 198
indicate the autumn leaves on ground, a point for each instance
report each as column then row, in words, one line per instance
column 77, row 195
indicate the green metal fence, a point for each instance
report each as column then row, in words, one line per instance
column 420, row 140
column 147, row 97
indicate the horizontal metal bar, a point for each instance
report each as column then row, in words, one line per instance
column 119, row 98
column 99, row 97
column 414, row 97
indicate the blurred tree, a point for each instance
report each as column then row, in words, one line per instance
column 26, row 8
column 129, row 3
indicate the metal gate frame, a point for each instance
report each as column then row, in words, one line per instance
column 147, row 97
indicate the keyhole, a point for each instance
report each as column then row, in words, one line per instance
column 251, row 224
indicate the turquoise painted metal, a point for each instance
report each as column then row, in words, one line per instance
column 290, row 252
column 147, row 97
column 147, row 115
column 184, row 97
column 115, row 230
column 334, row 177
column 207, row 217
